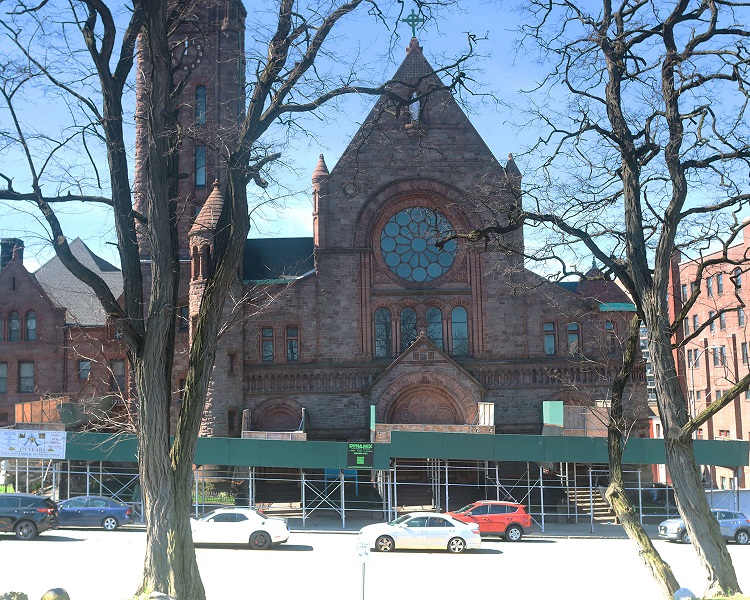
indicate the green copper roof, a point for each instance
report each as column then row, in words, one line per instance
column 616, row 306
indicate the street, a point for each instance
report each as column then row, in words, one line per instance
column 99, row 565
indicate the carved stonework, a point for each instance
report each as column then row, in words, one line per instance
column 425, row 405
column 279, row 420
column 277, row 415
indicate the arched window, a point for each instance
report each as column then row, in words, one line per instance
column 30, row 326
column 549, row 338
column 14, row 327
column 574, row 338
column 609, row 327
column 200, row 105
column 196, row 263
column 382, row 332
column 408, row 327
column 435, row 326
column 206, row 261
column 200, row 166
column 460, row 331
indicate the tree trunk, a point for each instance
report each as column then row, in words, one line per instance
column 659, row 569
column 170, row 564
column 686, row 477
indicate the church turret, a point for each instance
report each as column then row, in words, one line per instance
column 223, row 396
column 320, row 201
column 202, row 247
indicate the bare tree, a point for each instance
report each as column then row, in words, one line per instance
column 92, row 78
column 644, row 149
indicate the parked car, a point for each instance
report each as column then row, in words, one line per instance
column 734, row 526
column 422, row 530
column 507, row 519
column 240, row 526
column 27, row 515
column 94, row 511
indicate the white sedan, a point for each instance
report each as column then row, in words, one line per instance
column 239, row 526
column 422, row 530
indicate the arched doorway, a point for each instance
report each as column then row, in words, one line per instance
column 425, row 404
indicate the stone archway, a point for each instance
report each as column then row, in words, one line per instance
column 425, row 404
column 277, row 415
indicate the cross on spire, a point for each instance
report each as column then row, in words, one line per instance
column 414, row 20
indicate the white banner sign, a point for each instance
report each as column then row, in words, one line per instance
column 25, row 443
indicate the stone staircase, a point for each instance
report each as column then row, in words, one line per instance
column 581, row 500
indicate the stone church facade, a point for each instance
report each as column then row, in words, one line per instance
column 369, row 311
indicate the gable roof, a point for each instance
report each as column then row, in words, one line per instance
column 277, row 259
column 81, row 304
column 15, row 269
column 439, row 112
column 439, row 360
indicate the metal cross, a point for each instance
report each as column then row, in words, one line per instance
column 413, row 20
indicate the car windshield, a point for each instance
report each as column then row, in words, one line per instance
column 400, row 520
column 466, row 508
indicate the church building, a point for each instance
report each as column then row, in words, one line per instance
column 373, row 326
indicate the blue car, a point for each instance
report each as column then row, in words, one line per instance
column 94, row 511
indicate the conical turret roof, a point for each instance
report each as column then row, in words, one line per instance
column 209, row 215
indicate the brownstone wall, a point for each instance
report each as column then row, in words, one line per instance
column 20, row 292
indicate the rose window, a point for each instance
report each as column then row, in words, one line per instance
column 407, row 243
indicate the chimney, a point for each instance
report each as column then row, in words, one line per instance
column 10, row 248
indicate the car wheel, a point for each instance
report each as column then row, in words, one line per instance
column 685, row 539
column 513, row 533
column 260, row 540
column 742, row 537
column 456, row 545
column 384, row 543
column 110, row 523
column 25, row 530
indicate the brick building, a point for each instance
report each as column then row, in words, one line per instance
column 368, row 312
column 718, row 356
column 55, row 340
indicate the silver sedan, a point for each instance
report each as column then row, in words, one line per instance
column 734, row 526
column 422, row 530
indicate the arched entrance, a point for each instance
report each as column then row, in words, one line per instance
column 425, row 404
column 277, row 415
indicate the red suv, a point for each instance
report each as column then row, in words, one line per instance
column 507, row 519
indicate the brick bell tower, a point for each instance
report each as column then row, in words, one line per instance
column 208, row 59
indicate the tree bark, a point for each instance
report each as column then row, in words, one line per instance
column 659, row 569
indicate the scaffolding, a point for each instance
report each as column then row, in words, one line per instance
column 572, row 492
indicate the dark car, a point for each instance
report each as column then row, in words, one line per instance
column 27, row 515
column 94, row 511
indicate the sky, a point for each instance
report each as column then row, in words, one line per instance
column 380, row 52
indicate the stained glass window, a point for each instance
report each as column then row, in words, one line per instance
column 460, row 331
column 407, row 244
column 435, row 326
column 408, row 327
column 382, row 332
